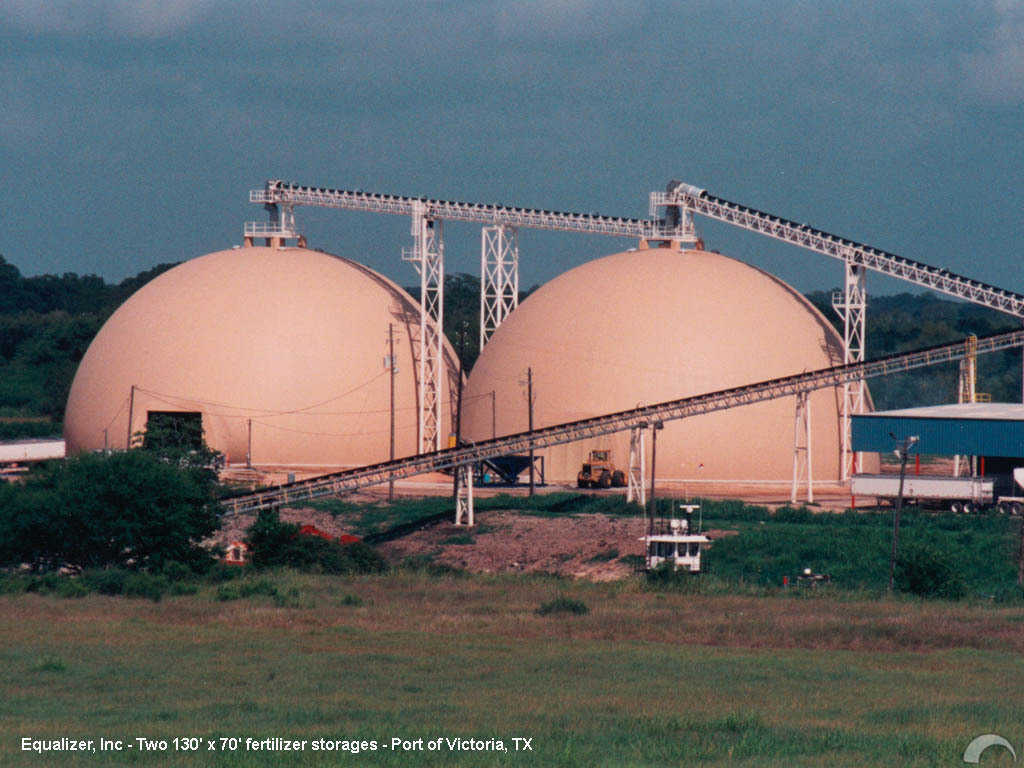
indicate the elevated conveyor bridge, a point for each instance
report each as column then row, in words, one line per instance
column 671, row 220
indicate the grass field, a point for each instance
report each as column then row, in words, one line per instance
column 642, row 678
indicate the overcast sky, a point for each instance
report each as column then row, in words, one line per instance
column 132, row 130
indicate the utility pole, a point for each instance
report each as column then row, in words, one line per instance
column 529, row 397
column 654, row 457
column 248, row 450
column 131, row 408
column 902, row 453
column 391, row 365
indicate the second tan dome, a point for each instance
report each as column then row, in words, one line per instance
column 646, row 326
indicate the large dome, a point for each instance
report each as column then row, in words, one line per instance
column 651, row 325
column 283, row 349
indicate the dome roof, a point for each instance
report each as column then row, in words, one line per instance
column 285, row 346
column 651, row 325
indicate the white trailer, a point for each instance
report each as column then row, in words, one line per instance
column 23, row 451
column 960, row 494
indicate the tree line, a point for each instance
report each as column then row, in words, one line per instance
column 48, row 321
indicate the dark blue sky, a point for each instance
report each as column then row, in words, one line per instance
column 132, row 130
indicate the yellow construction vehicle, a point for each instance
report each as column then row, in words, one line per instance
column 599, row 472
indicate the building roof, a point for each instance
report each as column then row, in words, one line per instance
column 1001, row 411
column 974, row 429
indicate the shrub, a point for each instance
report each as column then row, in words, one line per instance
column 605, row 555
column 11, row 584
column 51, row 664
column 260, row 587
column 70, row 587
column 562, row 605
column 175, row 571
column 665, row 576
column 227, row 592
column 219, row 573
column 106, row 581
column 923, row 570
column 274, row 544
column 146, row 585
column 239, row 590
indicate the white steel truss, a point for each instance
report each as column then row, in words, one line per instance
column 464, row 498
column 683, row 198
column 699, row 201
column 499, row 277
column 276, row 191
column 427, row 256
column 635, row 488
column 802, row 465
column 570, row 432
column 851, row 305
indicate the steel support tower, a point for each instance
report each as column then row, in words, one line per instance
column 427, row 256
column 802, row 463
column 635, row 489
column 464, row 498
column 499, row 277
column 851, row 304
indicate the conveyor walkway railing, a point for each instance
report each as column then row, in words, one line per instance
column 697, row 200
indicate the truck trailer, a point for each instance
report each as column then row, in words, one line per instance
column 958, row 494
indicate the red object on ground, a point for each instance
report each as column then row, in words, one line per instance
column 312, row 530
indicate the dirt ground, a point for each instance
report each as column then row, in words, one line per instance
column 586, row 546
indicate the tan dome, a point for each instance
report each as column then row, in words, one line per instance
column 292, row 340
column 646, row 326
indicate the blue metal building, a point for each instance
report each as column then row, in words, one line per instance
column 970, row 429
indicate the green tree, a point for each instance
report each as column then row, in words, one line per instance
column 133, row 509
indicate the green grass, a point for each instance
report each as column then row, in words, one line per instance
column 976, row 551
column 643, row 678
